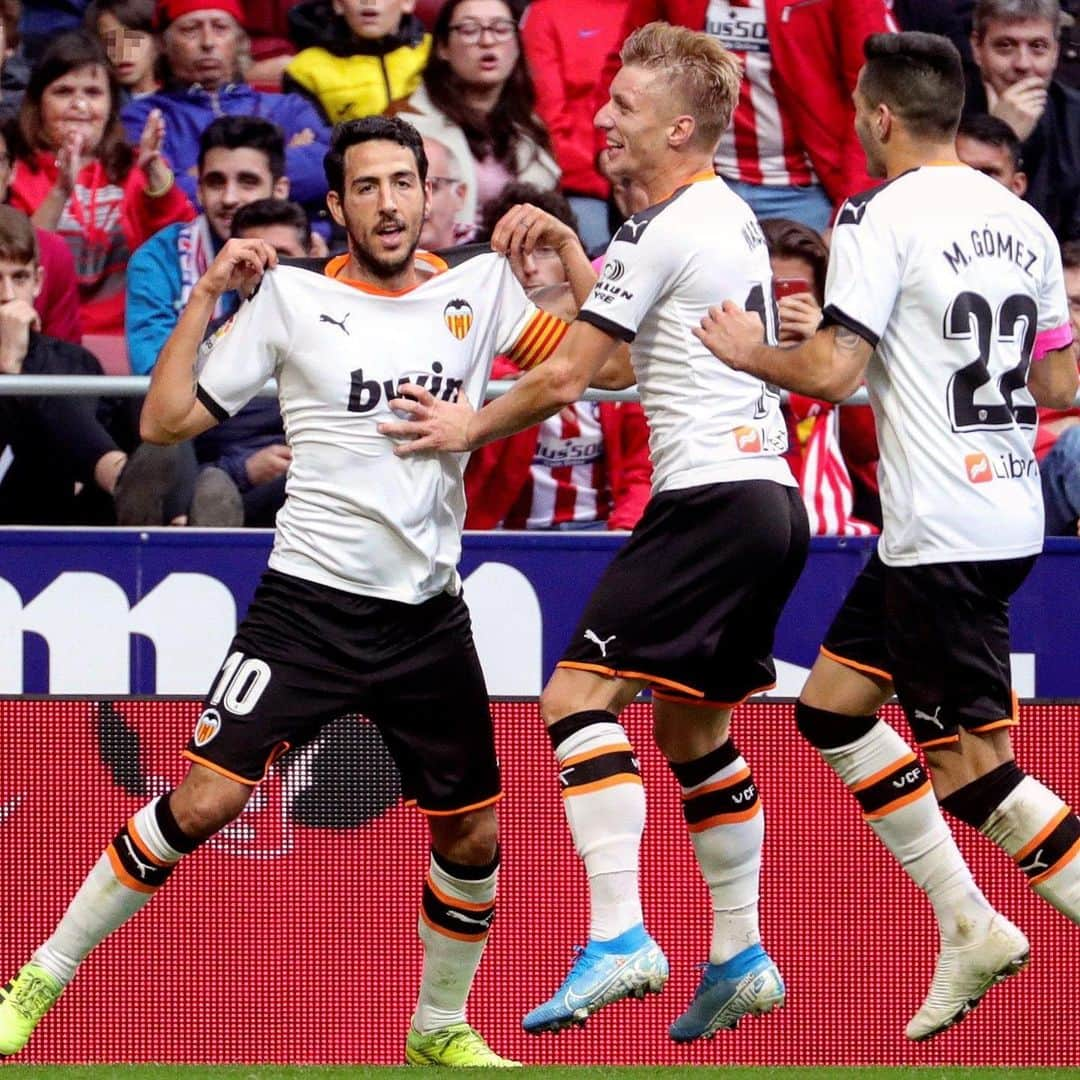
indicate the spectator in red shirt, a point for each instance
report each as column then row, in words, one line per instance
column 791, row 149
column 76, row 174
column 565, row 45
column 57, row 302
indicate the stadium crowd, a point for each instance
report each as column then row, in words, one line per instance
column 134, row 132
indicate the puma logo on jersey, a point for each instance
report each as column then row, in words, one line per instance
column 602, row 643
column 1035, row 865
column 920, row 715
column 340, row 324
column 634, row 226
column 852, row 213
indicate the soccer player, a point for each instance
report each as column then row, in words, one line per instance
column 689, row 605
column 947, row 291
column 361, row 607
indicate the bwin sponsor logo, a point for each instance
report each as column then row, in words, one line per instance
column 366, row 394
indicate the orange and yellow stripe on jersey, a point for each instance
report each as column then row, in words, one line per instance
column 542, row 335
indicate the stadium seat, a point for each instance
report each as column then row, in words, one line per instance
column 111, row 350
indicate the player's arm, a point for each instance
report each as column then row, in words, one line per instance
column 541, row 392
column 829, row 365
column 1053, row 378
column 171, row 412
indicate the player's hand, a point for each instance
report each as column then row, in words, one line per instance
column 17, row 319
column 525, row 227
column 1021, row 105
column 731, row 334
column 434, row 426
column 267, row 464
column 800, row 316
column 239, row 265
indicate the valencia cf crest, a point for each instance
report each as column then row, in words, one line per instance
column 458, row 316
column 207, row 726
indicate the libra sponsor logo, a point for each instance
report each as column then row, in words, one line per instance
column 748, row 440
column 981, row 469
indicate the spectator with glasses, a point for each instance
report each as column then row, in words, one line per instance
column 477, row 88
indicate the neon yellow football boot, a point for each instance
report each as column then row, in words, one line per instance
column 23, row 1003
column 458, row 1046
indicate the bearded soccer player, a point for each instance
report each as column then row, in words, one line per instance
column 361, row 608
column 948, row 292
column 689, row 605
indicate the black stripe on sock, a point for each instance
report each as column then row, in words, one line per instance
column 170, row 830
column 465, row 871
column 137, row 862
column 460, row 921
column 827, row 730
column 975, row 802
column 1053, row 848
column 601, row 767
column 691, row 773
column 736, row 798
column 907, row 777
column 562, row 729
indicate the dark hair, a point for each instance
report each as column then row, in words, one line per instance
column 513, row 116
column 554, row 202
column 794, row 240
column 18, row 240
column 919, row 76
column 1013, row 11
column 984, row 128
column 245, row 133
column 272, row 212
column 393, row 129
column 1070, row 255
column 65, row 54
column 131, row 14
column 10, row 13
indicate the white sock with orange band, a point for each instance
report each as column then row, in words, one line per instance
column 455, row 917
column 131, row 869
column 727, row 828
column 898, row 803
column 605, row 807
column 1039, row 831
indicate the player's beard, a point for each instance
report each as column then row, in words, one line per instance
column 384, row 267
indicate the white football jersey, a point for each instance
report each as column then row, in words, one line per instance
column 952, row 278
column 356, row 517
column 665, row 267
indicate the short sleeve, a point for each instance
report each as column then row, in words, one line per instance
column 637, row 270
column 864, row 272
column 238, row 359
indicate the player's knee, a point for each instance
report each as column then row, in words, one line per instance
column 825, row 730
column 204, row 809
column 471, row 839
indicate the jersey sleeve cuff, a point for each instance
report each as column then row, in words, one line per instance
column 612, row 329
column 219, row 414
column 833, row 316
column 1049, row 340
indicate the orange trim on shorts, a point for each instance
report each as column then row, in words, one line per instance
column 452, row 933
column 870, row 781
column 1059, row 865
column 143, row 849
column 731, row 781
column 461, row 810
column 1042, row 834
column 726, row 819
column 898, row 804
column 706, row 704
column 450, row 901
column 123, row 876
column 865, row 668
column 933, row 743
column 1009, row 721
column 219, row 770
column 612, row 673
column 599, row 785
column 614, row 748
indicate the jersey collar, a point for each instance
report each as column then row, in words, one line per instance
column 338, row 263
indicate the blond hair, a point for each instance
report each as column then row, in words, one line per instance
column 703, row 73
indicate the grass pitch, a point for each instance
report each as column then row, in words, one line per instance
column 371, row 1072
